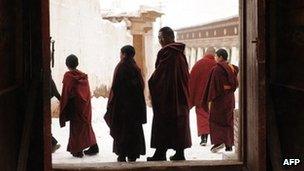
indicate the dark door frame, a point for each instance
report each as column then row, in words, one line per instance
column 253, row 25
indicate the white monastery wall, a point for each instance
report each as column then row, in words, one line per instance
column 78, row 28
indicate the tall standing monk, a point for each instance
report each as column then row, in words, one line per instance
column 170, row 99
column 198, row 80
column 126, row 111
column 75, row 106
column 219, row 101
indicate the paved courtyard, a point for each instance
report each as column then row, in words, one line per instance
column 104, row 140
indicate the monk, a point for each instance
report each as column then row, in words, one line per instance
column 170, row 99
column 219, row 101
column 75, row 106
column 198, row 80
column 126, row 110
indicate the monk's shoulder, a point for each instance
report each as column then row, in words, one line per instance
column 211, row 62
column 122, row 67
column 80, row 72
column 68, row 74
column 199, row 64
column 123, row 70
column 218, row 69
column 236, row 68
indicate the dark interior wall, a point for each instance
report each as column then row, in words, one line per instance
column 37, row 19
column 23, row 53
column 7, row 35
column 10, row 126
column 287, row 76
column 290, row 43
column 12, row 97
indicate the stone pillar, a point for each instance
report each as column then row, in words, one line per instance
column 140, row 31
column 192, row 58
column 187, row 54
column 235, row 56
column 229, row 53
column 203, row 51
column 195, row 55
column 199, row 53
column 140, row 56
column 138, row 25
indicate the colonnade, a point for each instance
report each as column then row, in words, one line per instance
column 193, row 54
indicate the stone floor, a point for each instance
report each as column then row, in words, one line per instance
column 61, row 156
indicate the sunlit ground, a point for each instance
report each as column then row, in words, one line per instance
column 61, row 156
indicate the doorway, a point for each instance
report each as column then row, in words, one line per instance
column 242, row 101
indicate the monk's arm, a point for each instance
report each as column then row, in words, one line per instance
column 118, row 80
column 54, row 90
column 227, row 87
column 192, row 83
column 66, row 94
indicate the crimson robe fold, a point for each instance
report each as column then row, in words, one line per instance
column 126, row 110
column 170, row 99
column 223, row 102
column 197, row 83
column 75, row 106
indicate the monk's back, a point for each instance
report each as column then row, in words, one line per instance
column 170, row 99
column 198, row 78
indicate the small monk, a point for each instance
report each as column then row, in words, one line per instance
column 126, row 110
column 198, row 80
column 170, row 99
column 219, row 101
column 75, row 106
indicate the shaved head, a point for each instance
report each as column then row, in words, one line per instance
column 166, row 36
column 210, row 50
column 71, row 61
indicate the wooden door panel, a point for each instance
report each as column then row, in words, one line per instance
column 11, row 104
column 254, row 48
column 7, row 35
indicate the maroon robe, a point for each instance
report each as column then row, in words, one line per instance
column 198, row 80
column 75, row 106
column 170, row 95
column 223, row 102
column 126, row 110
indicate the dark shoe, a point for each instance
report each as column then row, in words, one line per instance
column 159, row 155
column 217, row 148
column 121, row 159
column 177, row 157
column 54, row 141
column 204, row 139
column 131, row 159
column 228, row 148
column 78, row 155
column 156, row 158
column 55, row 147
column 93, row 150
